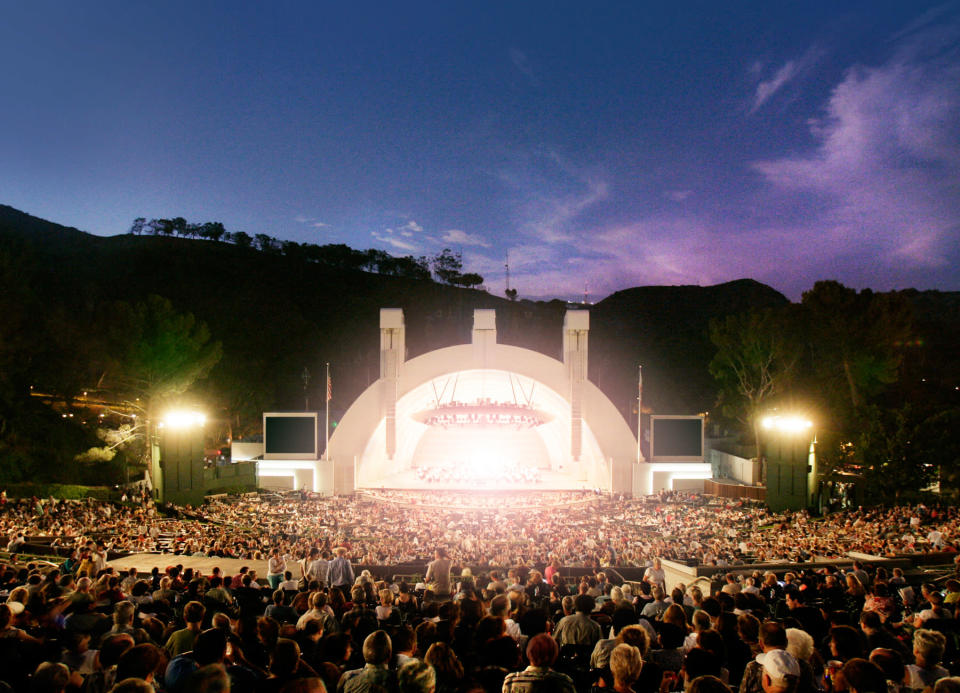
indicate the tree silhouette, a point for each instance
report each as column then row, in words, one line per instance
column 755, row 361
column 446, row 266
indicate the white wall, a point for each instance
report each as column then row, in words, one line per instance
column 741, row 469
column 240, row 452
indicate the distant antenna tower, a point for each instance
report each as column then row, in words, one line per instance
column 586, row 293
column 510, row 293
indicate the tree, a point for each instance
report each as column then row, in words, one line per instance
column 755, row 362
column 447, row 266
column 938, row 448
column 241, row 239
column 378, row 261
column 853, row 337
column 163, row 352
column 159, row 355
column 511, row 294
column 409, row 266
column 161, row 227
column 469, row 280
column 885, row 448
column 136, row 228
column 179, row 226
column 212, row 231
column 265, row 243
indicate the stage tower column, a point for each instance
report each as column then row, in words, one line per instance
column 576, row 326
column 392, row 355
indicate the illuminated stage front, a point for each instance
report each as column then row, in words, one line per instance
column 488, row 429
column 483, row 416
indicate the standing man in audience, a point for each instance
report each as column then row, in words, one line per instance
column 655, row 575
column 438, row 573
column 315, row 567
column 340, row 571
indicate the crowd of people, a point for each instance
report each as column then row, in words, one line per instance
column 322, row 625
column 585, row 529
column 484, row 617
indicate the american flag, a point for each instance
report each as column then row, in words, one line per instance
column 329, row 388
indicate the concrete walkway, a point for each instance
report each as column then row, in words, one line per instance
column 145, row 562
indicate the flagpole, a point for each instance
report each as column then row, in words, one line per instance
column 639, row 411
column 326, row 447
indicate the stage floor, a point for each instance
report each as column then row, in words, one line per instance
column 409, row 481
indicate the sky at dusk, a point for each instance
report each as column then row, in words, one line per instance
column 606, row 144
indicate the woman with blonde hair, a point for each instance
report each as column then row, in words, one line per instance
column 625, row 665
column 855, row 595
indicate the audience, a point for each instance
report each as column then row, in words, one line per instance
column 502, row 625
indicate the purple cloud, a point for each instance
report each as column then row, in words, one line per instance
column 885, row 174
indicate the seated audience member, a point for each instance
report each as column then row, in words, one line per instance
column 928, row 649
column 542, row 651
column 625, row 666
column 578, row 628
column 862, row 676
column 377, row 650
column 780, row 671
column 446, row 666
column 416, row 677
column 181, row 641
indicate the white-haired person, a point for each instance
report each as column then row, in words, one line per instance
column 625, row 665
column 928, row 649
column 800, row 644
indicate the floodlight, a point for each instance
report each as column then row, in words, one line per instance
column 183, row 419
column 786, row 424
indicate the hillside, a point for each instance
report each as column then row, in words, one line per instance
column 277, row 315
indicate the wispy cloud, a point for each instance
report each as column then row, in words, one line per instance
column 311, row 221
column 769, row 87
column 786, row 73
column 458, row 237
column 390, row 237
column 522, row 63
column 550, row 217
column 408, row 237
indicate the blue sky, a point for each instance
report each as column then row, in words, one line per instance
column 602, row 144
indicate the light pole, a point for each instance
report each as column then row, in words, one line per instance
column 791, row 473
column 179, row 472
